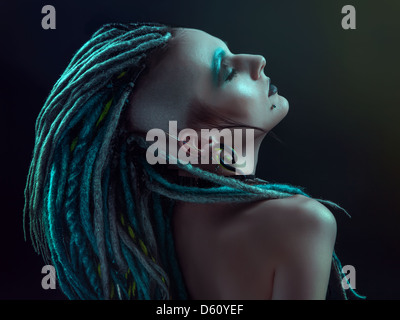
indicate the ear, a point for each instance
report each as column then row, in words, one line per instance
column 230, row 156
column 195, row 146
column 208, row 145
column 188, row 142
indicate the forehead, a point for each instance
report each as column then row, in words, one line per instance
column 194, row 49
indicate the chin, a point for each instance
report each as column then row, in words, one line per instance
column 281, row 111
column 284, row 103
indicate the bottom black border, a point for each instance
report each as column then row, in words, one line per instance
column 188, row 309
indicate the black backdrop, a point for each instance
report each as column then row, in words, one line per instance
column 340, row 138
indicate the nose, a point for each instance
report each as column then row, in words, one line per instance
column 260, row 65
column 256, row 65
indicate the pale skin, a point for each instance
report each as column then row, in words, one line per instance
column 270, row 249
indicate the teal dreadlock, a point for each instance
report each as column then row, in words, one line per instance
column 97, row 210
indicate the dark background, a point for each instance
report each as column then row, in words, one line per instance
column 340, row 138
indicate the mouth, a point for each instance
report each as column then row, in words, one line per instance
column 272, row 90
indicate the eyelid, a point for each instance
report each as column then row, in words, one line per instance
column 218, row 59
column 231, row 75
column 228, row 73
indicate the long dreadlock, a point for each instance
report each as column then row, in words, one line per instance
column 97, row 210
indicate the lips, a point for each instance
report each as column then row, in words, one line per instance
column 272, row 90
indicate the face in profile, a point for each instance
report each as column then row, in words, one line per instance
column 200, row 83
column 235, row 85
column 199, row 69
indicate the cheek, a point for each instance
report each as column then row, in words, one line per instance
column 242, row 101
column 246, row 94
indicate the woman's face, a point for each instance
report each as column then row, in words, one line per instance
column 235, row 85
column 199, row 67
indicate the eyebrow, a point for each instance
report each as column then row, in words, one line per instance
column 219, row 53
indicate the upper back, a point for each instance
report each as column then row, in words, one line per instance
column 231, row 251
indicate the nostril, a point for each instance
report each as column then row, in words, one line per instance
column 263, row 63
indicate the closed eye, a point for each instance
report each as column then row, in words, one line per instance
column 231, row 75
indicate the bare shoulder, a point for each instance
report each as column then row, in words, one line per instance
column 295, row 212
column 282, row 221
column 267, row 249
column 286, row 244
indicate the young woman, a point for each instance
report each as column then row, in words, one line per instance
column 117, row 227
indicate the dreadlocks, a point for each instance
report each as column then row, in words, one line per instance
column 97, row 210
